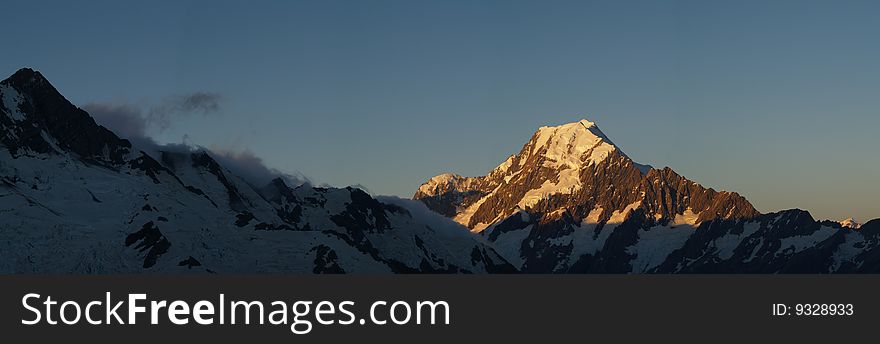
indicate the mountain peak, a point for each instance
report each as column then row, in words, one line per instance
column 571, row 145
column 850, row 223
column 585, row 123
column 39, row 120
column 581, row 127
column 574, row 171
column 26, row 72
column 26, row 78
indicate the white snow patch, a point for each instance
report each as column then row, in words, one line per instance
column 465, row 216
column 11, row 100
column 725, row 245
column 479, row 227
column 618, row 216
column 508, row 245
column 504, row 167
column 755, row 250
column 583, row 242
column 686, row 218
column 802, row 242
column 655, row 244
column 429, row 187
column 847, row 250
column 595, row 215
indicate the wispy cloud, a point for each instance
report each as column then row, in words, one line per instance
column 139, row 123
column 252, row 168
column 125, row 120
column 128, row 119
column 204, row 103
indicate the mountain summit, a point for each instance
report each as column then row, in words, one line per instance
column 571, row 201
column 574, row 170
column 76, row 198
column 571, row 146
column 39, row 120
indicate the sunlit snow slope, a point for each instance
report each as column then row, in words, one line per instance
column 570, row 201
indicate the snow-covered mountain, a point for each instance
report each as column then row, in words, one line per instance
column 572, row 201
column 850, row 223
column 75, row 198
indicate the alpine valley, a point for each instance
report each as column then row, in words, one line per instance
column 76, row 198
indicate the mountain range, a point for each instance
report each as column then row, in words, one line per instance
column 572, row 202
column 77, row 198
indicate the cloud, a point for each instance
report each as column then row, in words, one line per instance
column 137, row 123
column 123, row 119
column 132, row 121
column 247, row 165
column 203, row 103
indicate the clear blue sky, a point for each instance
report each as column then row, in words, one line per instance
column 778, row 100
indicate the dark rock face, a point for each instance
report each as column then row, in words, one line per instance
column 326, row 261
column 50, row 121
column 189, row 263
column 149, row 238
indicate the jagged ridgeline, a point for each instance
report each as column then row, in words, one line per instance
column 572, row 202
column 76, row 198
